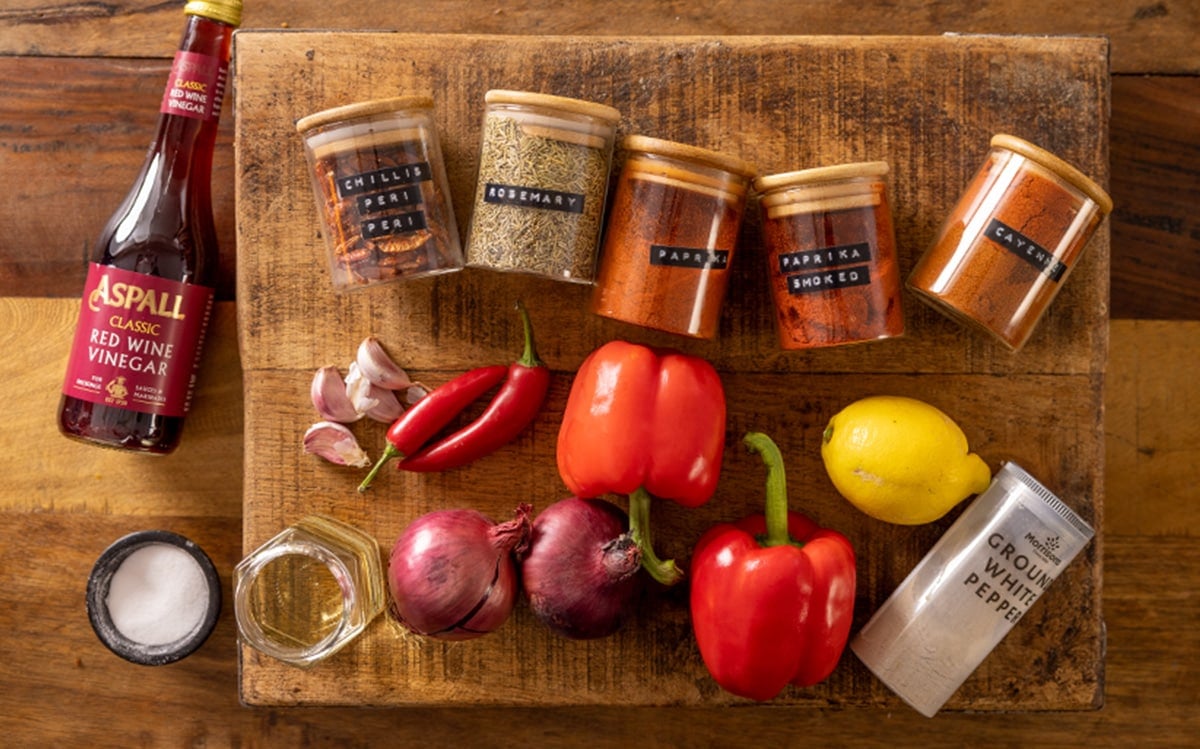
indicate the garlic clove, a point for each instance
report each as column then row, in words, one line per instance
column 336, row 443
column 414, row 393
column 329, row 396
column 378, row 367
column 358, row 391
column 387, row 408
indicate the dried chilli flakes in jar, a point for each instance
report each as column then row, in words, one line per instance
column 542, row 183
column 381, row 188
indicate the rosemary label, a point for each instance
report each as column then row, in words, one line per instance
column 1026, row 249
column 533, row 197
column 806, row 283
column 825, row 257
column 689, row 257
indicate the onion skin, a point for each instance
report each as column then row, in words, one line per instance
column 580, row 573
column 452, row 573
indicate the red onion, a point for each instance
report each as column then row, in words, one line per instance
column 581, row 569
column 452, row 573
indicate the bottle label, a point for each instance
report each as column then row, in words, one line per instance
column 137, row 343
column 196, row 86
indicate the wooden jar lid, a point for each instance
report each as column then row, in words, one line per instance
column 550, row 101
column 364, row 109
column 1064, row 170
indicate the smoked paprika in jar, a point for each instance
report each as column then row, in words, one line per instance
column 1005, row 250
column 831, row 255
column 671, row 236
column 381, row 191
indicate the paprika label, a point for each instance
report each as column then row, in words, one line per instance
column 137, row 343
column 825, row 257
column 196, row 87
column 689, row 257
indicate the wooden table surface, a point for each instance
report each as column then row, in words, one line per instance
column 79, row 87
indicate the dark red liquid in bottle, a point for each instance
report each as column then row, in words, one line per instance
column 164, row 229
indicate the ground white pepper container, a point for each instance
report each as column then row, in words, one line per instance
column 381, row 191
column 543, row 178
column 978, row 580
column 309, row 591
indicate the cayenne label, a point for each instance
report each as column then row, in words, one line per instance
column 196, row 86
column 1026, row 249
column 137, row 343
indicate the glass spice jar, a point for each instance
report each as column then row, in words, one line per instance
column 1003, row 253
column 831, row 255
column 381, row 191
column 671, row 236
column 542, row 182
column 309, row 591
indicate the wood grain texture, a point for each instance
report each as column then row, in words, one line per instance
column 49, row 657
column 1147, row 36
column 923, row 104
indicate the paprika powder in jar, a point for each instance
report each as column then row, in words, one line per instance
column 381, row 191
column 543, row 179
column 671, row 237
column 1005, row 250
column 831, row 255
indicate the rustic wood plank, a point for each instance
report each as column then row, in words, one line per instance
column 202, row 478
column 74, row 133
column 50, row 658
column 1148, row 37
column 934, row 133
column 1155, row 151
column 290, row 321
column 68, row 142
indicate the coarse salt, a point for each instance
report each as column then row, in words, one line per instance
column 158, row 595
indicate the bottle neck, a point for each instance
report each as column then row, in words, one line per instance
column 193, row 96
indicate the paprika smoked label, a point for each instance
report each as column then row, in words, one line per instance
column 1026, row 249
column 137, row 343
column 824, row 257
column 842, row 278
column 196, row 86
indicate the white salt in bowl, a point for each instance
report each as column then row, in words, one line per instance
column 153, row 597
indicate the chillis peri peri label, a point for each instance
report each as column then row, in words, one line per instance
column 196, row 86
column 137, row 344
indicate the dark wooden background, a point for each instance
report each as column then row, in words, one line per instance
column 79, row 87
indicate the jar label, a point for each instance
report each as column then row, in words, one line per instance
column 382, row 179
column 381, row 201
column 825, row 257
column 1026, row 249
column 689, row 257
column 196, row 87
column 533, row 197
column 807, row 283
column 137, row 342
column 393, row 224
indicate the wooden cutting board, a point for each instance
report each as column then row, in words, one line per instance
column 927, row 105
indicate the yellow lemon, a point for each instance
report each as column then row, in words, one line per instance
column 900, row 460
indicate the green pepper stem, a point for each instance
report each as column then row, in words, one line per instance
column 665, row 572
column 777, row 500
column 529, row 358
column 389, row 452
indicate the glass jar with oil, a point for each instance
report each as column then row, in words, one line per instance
column 309, row 591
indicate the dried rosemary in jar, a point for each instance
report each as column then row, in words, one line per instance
column 543, row 177
column 382, row 192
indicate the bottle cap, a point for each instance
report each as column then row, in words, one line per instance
column 225, row 11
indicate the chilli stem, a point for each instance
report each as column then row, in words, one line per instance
column 664, row 571
column 389, row 452
column 529, row 358
column 777, row 500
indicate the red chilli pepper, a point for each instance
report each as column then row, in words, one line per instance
column 514, row 407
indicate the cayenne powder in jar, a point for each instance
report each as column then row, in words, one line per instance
column 543, row 177
column 671, row 236
column 831, row 255
column 1011, row 240
column 381, row 191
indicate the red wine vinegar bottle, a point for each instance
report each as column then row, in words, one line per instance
column 149, row 288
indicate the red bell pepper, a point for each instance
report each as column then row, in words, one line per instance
column 643, row 423
column 772, row 596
